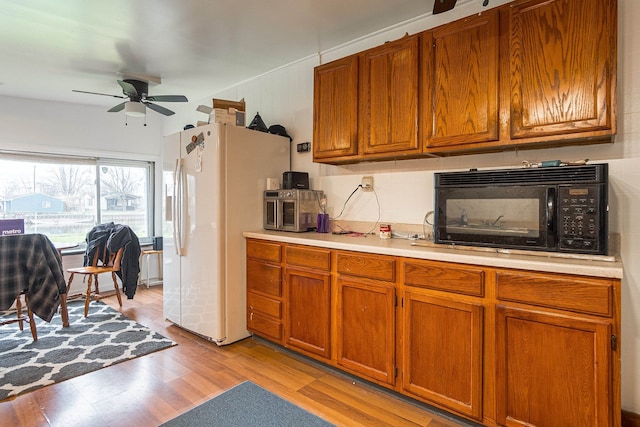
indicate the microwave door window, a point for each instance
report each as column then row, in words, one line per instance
column 494, row 219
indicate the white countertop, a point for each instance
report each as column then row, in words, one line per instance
column 586, row 265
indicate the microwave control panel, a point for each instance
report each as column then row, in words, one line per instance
column 581, row 218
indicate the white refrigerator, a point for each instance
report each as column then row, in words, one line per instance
column 212, row 194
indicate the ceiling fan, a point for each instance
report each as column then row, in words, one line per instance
column 137, row 91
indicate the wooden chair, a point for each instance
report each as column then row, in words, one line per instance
column 21, row 319
column 91, row 272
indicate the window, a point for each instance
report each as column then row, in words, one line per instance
column 64, row 197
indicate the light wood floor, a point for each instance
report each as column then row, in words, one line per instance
column 152, row 389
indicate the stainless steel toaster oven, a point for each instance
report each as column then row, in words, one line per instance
column 291, row 210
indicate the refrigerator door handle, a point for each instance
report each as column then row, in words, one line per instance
column 178, row 202
column 182, row 207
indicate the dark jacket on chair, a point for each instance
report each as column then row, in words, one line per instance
column 112, row 237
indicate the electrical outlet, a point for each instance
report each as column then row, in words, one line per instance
column 367, row 183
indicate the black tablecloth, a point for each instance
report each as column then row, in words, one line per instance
column 30, row 261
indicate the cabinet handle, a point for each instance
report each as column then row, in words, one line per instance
column 614, row 342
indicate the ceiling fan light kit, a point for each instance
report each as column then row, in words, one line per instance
column 134, row 109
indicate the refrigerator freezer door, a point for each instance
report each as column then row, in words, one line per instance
column 171, row 258
column 200, row 269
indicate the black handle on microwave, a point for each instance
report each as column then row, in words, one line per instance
column 551, row 217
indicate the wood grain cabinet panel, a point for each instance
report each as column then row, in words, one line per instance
column 443, row 352
column 562, row 68
column 264, row 278
column 365, row 328
column 577, row 294
column 308, row 312
column 552, row 370
column 377, row 267
column 304, row 256
column 266, row 251
column 445, row 277
column 264, row 289
column 388, row 107
column 269, row 306
column 335, row 110
column 263, row 325
column 460, row 82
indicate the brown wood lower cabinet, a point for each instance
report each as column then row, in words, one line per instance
column 308, row 300
column 552, row 370
column 557, row 352
column 365, row 328
column 442, row 351
column 264, row 289
column 308, row 312
column 502, row 347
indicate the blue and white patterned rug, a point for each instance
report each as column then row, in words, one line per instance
column 104, row 338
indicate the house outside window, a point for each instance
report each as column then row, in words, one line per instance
column 64, row 197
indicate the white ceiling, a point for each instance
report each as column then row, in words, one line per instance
column 196, row 47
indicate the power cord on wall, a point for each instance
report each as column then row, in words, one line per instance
column 343, row 231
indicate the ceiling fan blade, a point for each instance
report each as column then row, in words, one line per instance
column 97, row 93
column 159, row 109
column 117, row 108
column 204, row 109
column 167, row 98
column 128, row 89
column 440, row 6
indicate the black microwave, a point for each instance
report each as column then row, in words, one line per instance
column 556, row 209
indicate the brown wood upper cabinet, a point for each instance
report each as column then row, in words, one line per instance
column 460, row 82
column 388, row 107
column 335, row 110
column 561, row 68
column 528, row 74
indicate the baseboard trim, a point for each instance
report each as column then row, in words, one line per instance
column 630, row 419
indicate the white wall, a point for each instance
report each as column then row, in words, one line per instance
column 404, row 188
column 65, row 128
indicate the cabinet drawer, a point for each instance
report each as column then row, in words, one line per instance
column 264, row 250
column 318, row 259
column 434, row 275
column 258, row 303
column 366, row 265
column 578, row 294
column 264, row 325
column 264, row 278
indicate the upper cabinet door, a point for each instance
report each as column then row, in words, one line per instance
column 562, row 65
column 460, row 82
column 335, row 109
column 389, row 99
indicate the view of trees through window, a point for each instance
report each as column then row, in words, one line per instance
column 65, row 199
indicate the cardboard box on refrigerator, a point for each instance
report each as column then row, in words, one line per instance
column 229, row 112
